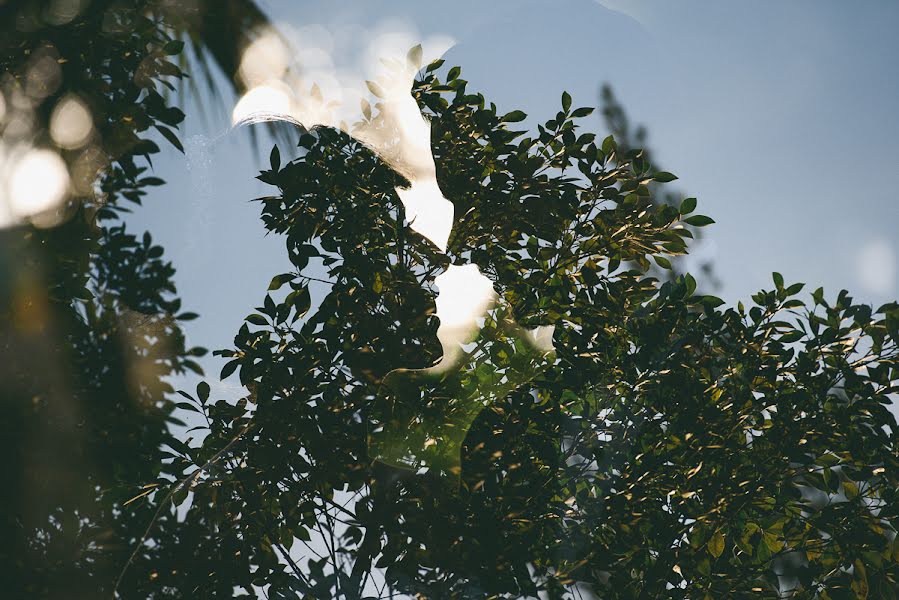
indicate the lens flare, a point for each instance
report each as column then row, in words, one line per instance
column 44, row 76
column 876, row 264
column 71, row 124
column 269, row 102
column 61, row 12
column 265, row 59
column 39, row 182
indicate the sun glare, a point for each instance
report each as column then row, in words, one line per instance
column 39, row 182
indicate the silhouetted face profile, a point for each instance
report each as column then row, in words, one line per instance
column 394, row 240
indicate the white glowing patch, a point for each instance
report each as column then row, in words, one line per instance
column 61, row 12
column 876, row 264
column 265, row 59
column 541, row 337
column 428, row 212
column 71, row 123
column 465, row 295
column 43, row 77
column 328, row 94
column 269, row 102
column 38, row 182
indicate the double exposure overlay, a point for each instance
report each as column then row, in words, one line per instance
column 486, row 360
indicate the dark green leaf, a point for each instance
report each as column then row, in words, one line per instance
column 687, row 206
column 173, row 47
column 280, row 280
column 664, row 177
column 171, row 137
column 698, row 221
column 275, row 158
column 514, row 117
column 582, row 112
column 257, row 319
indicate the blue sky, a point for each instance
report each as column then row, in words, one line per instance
column 778, row 117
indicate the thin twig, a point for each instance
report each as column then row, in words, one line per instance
column 293, row 565
column 193, row 476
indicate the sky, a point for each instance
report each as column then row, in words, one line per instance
column 778, row 117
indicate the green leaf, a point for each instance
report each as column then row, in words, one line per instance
column 453, row 73
column 691, row 284
column 608, row 144
column 229, row 368
column 173, row 47
column 279, row 280
column 172, row 116
column 795, row 289
column 762, row 551
column 582, row 112
column 257, row 319
column 662, row 262
column 203, row 392
column 716, row 544
column 664, row 177
column 435, row 65
column 180, row 495
column 818, row 296
column 860, row 580
column 773, row 541
column 791, row 336
column 566, row 101
column 778, row 280
column 275, row 158
column 514, row 117
column 699, row 220
column 170, row 136
column 687, row 206
column 850, row 489
column 301, row 301
column 712, row 301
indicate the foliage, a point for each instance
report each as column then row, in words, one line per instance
column 669, row 447
column 628, row 137
column 672, row 448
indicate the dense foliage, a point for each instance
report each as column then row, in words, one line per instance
column 668, row 447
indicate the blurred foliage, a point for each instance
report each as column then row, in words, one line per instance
column 670, row 447
column 88, row 311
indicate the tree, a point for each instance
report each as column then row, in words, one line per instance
column 671, row 448
column 667, row 448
